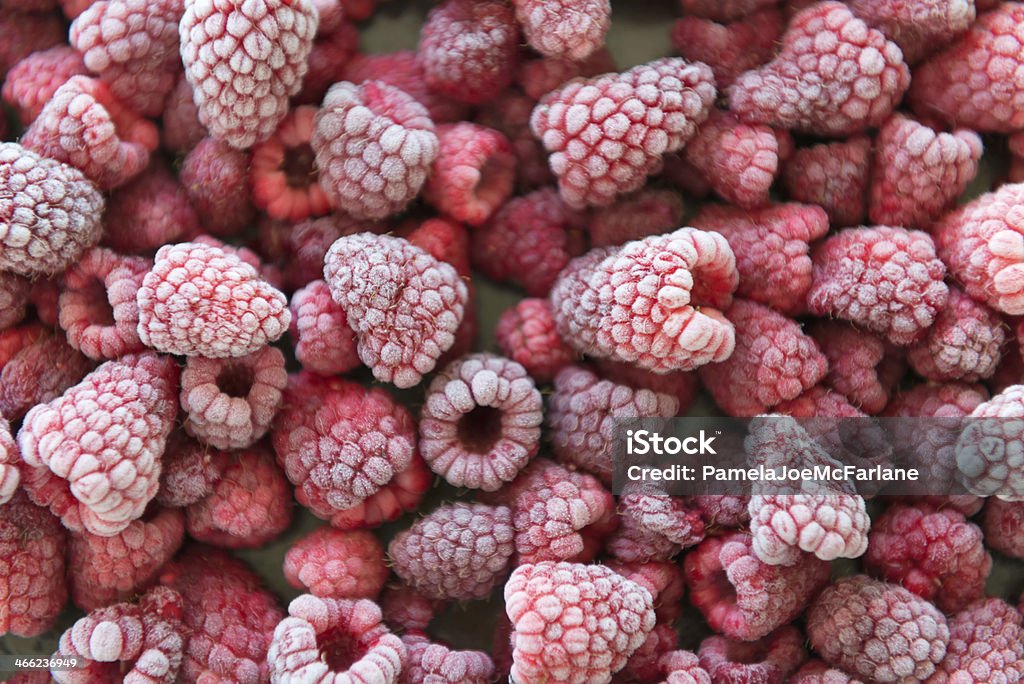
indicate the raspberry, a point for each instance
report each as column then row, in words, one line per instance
column 878, row 631
column 306, row 244
column 723, row 511
column 986, row 644
column 510, row 113
column 655, row 303
column 105, row 570
column 324, row 342
column 249, row 505
column 403, row 304
column 284, row 181
column 407, row 610
column 468, row 49
column 189, row 471
column 14, row 293
column 965, row 342
column 216, row 178
column 99, row 444
column 724, row 10
column 85, row 126
column 768, row 660
column 10, row 476
column 51, row 213
column 918, row 27
column 729, row 48
column 431, row 663
column 1003, row 523
column 14, row 339
column 634, row 217
column 402, row 494
column 771, row 245
column 540, row 75
column 374, row 146
column 404, row 71
column 664, row 579
column 683, row 667
column 229, row 615
column 861, row 366
column 642, row 666
column 149, row 211
column 653, row 526
column 361, row 10
column 744, row 598
column 834, row 176
column 574, row 623
column 460, row 551
column 443, row 238
column 526, row 334
column 181, row 130
column 200, row 300
column 989, row 452
column 972, row 83
column 333, row 48
column 473, row 174
column 39, row 372
column 887, row 280
column 833, row 76
column 818, row 672
column 330, row 563
column 561, row 28
column 608, row 133
column 23, row 33
column 31, row 83
column 681, row 385
column 334, row 640
column 31, row 567
column 774, row 360
column 918, row 173
column 133, row 46
column 244, row 61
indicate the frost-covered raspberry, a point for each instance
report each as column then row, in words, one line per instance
column 918, row 172
column 774, row 360
column 50, row 215
column 881, row 632
column 990, row 453
column 324, row 341
column 403, row 70
column 336, row 564
column 473, row 174
column 574, row 623
column 665, row 581
column 562, row 28
column 861, row 366
column 833, row 76
column 965, row 342
column 407, row 610
column 334, row 640
column 10, row 476
column 986, row 644
column 22, row 33
column 189, row 471
column 85, row 126
column 459, row 551
column 199, row 300
column 771, row 247
column 973, row 82
column 681, row 385
column 919, row 27
column 653, row 526
column 1003, row 523
column 133, row 46
column 729, row 48
column 656, row 302
column 14, row 293
column 150, row 211
column 607, row 134
column 526, row 334
column 105, row 570
column 538, row 76
column 834, row 176
column 96, row 449
column 510, row 113
column 403, row 304
column 216, row 178
column 39, row 372
column 818, row 672
column 333, row 48
column 31, row 83
column 284, row 180
column 244, row 60
column 469, row 48
column 887, row 280
column 723, row 10
column 682, row 667
column 634, row 217
column 181, row 129
column 769, row 660
column 374, row 145
column 431, row 663
column 32, row 584
column 301, row 247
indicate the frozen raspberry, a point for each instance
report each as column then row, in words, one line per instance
column 32, row 583
column 833, row 76
column 331, row 563
column 324, row 342
column 510, row 113
column 39, row 372
column 989, row 453
column 22, row 33
column 14, row 339
column 584, row 411
column 181, row 130
column 634, row 217
column 31, row 83
column 723, row 10
column 729, row 48
column 99, row 444
column 918, row 172
column 441, row 237
column 723, row 511
column 189, row 471
column 199, row 300
column 333, row 48
column 148, row 212
column 407, row 610
column 403, row 304
column 965, row 342
column 105, row 570
column 681, row 385
column 473, row 174
column 818, row 672
column 468, row 49
column 229, row 615
column 244, row 61
column 642, row 666
column 402, row 494
column 85, row 126
column 878, row 631
column 284, row 181
column 44, row 296
column 430, row 663
column 540, row 75
column 10, row 476
column 14, row 293
column 607, row 134
column 918, row 27
column 216, row 179
column 771, row 246
column 665, row 581
column 653, row 526
column 404, row 71
column 774, row 360
column 50, row 213
column 887, row 280
column 834, row 176
column 1003, row 523
column 562, row 28
column 303, row 246
column 861, row 366
column 526, row 334
column 682, row 667
column 973, row 82
column 768, row 660
column 654, row 302
column 986, row 644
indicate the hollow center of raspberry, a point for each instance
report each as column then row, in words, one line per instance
column 100, row 311
column 299, row 168
column 480, row 429
column 339, row 650
column 235, row 380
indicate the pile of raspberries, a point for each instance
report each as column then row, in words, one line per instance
column 241, row 270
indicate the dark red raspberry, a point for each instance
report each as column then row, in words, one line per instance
column 965, row 342
column 150, row 211
column 563, row 28
column 31, row 83
column 653, row 526
column 336, row 564
column 642, row 666
column 834, row 176
column 22, row 33
column 324, row 341
column 14, row 293
column 729, row 48
column 430, row 663
column 769, row 660
column 526, row 334
column 862, row 367
column 404, row 71
column 919, row 27
column 407, row 610
column 987, row 452
column 38, row 372
column 1003, row 523
column 442, row 238
column 510, row 113
column 216, row 179
column 540, row 75
column 282, row 173
column 724, row 10
column 333, row 48
column 634, row 217
column 722, row 510
column 181, row 130
column 986, row 644
column 301, row 248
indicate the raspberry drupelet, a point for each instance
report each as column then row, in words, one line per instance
column 989, row 452
column 244, row 61
column 1003, row 523
column 336, row 564
column 965, row 342
column 284, row 180
column 919, row 27
column 374, row 146
column 986, row 644
column 39, row 372
column 607, row 134
column 654, row 526
column 769, row 660
column 216, row 179
column 835, row 176
column 10, row 476
column 31, row 83
column 833, row 76
column 431, row 663
column 324, row 341
column 403, row 70
column 526, row 334
column 562, row 28
column 729, row 48
column 150, row 211
column 861, row 366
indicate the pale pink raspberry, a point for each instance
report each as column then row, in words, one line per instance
column 607, row 134
column 724, row 10
column 200, row 300
column 526, row 334
column 216, row 178
column 990, row 453
column 403, row 70
column 834, row 176
column 336, row 564
column 986, row 644
column 656, row 303
column 540, row 75
column 563, row 28
column 38, row 372
column 919, row 27
column 31, row 83
column 85, row 126
column 150, row 211
column 244, row 61
column 973, row 82
column 965, row 342
column 818, row 672
column 181, row 130
column 768, row 660
column 333, row 48
column 98, row 445
column 634, row 217
column 105, row 570
column 407, row 610
column 861, row 366
column 833, row 76
column 654, row 526
column 510, row 113
column 403, row 304
column 468, row 49
column 574, row 623
column 729, row 48
column 665, row 581
column 887, row 280
column 877, row 631
column 283, row 177
column 431, row 663
column 10, row 476
column 14, row 293
column 374, row 146
column 1003, row 523
column 50, row 214
column 324, row 341
column 682, row 667
column 335, row 640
